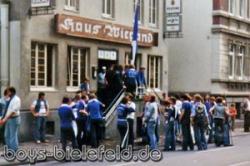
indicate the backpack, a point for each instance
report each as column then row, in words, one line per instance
column 200, row 118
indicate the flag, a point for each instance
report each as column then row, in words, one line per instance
column 135, row 32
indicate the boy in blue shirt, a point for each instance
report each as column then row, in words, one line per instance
column 96, row 119
column 66, row 117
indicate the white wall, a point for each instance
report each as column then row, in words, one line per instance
column 190, row 56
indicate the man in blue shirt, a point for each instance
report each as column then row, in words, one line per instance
column 122, row 123
column 141, row 81
column 185, row 123
column 66, row 118
column 81, row 118
column 130, row 79
column 95, row 115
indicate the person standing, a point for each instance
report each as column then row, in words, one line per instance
column 40, row 110
column 96, row 119
column 185, row 123
column 210, row 105
column 101, row 84
column 151, row 117
column 131, row 118
column 169, row 115
column 85, row 87
column 219, row 112
column 199, row 119
column 246, row 106
column 130, row 79
column 3, row 102
column 81, row 118
column 233, row 113
column 141, row 81
column 66, row 118
column 11, row 119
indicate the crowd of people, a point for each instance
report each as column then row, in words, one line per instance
column 186, row 118
column 190, row 118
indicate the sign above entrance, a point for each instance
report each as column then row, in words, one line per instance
column 100, row 30
column 107, row 55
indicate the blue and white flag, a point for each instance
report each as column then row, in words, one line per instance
column 135, row 32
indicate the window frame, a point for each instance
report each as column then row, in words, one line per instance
column 45, row 86
column 241, row 55
column 105, row 13
column 141, row 13
column 241, row 8
column 68, row 6
column 155, row 10
column 232, row 55
column 231, row 7
column 158, row 59
column 81, row 51
column 138, row 60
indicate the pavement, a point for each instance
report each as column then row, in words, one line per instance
column 49, row 149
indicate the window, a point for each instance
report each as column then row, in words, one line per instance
column 247, row 64
column 153, row 10
column 140, row 17
column 241, row 8
column 72, row 5
column 232, row 49
column 138, row 60
column 108, row 8
column 77, row 66
column 231, row 8
column 154, row 71
column 248, row 8
column 42, row 65
column 239, row 62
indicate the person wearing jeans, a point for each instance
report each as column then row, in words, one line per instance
column 95, row 115
column 40, row 111
column 11, row 119
column 151, row 116
column 66, row 118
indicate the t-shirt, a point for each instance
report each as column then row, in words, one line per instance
column 132, row 114
column 42, row 110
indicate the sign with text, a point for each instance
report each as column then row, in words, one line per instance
column 107, row 55
column 173, row 23
column 100, row 30
column 173, row 6
column 40, row 3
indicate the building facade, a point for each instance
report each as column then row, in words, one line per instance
column 213, row 55
column 55, row 45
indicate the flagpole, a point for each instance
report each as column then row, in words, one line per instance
column 134, row 43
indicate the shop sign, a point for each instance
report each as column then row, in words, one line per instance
column 100, row 30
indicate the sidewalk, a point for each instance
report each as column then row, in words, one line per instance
column 49, row 147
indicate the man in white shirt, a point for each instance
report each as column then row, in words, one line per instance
column 131, row 118
column 40, row 110
column 11, row 119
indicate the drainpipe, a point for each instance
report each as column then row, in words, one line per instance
column 4, row 47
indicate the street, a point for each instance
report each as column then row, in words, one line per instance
column 237, row 155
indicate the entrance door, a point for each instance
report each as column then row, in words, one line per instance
column 105, row 63
column 106, row 58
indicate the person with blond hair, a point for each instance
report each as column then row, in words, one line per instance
column 199, row 119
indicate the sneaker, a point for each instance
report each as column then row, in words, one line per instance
column 38, row 141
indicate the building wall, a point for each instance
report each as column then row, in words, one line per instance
column 190, row 56
column 41, row 28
